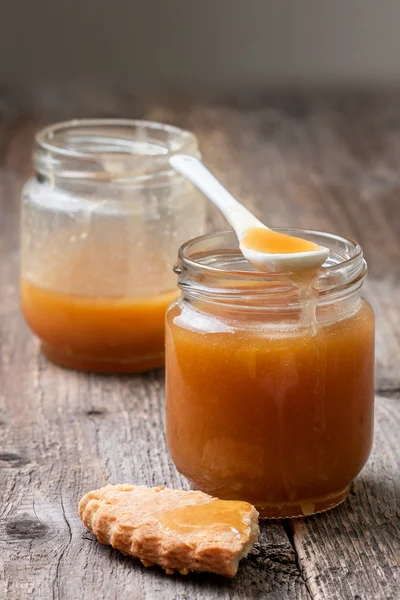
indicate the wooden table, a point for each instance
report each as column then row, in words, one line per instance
column 318, row 161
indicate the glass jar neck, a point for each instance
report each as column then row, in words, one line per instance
column 213, row 273
column 101, row 151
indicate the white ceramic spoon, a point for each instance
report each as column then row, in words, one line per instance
column 244, row 222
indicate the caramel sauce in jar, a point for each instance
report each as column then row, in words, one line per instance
column 98, row 334
column 270, row 388
column 100, row 222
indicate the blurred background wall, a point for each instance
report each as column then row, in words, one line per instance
column 194, row 46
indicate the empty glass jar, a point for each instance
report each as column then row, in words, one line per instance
column 101, row 222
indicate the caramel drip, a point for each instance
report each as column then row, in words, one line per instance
column 219, row 515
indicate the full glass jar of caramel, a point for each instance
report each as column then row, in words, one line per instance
column 269, row 389
column 101, row 221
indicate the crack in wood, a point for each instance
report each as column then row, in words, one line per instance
column 14, row 460
column 388, row 391
column 24, row 527
column 287, row 525
column 63, row 551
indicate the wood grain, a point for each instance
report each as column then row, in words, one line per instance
column 328, row 162
column 354, row 551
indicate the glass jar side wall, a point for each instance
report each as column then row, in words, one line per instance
column 100, row 225
column 262, row 405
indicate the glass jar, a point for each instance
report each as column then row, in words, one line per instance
column 269, row 391
column 101, row 221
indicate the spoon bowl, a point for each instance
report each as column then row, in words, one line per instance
column 291, row 262
column 265, row 249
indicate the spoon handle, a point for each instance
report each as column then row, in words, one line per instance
column 237, row 215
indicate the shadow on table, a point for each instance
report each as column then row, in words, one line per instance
column 372, row 509
column 270, row 570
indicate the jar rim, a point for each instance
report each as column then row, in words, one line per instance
column 110, row 148
column 344, row 269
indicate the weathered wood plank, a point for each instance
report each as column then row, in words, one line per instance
column 64, row 433
column 354, row 551
column 313, row 161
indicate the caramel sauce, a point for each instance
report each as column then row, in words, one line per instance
column 109, row 335
column 273, row 242
column 279, row 418
column 219, row 515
